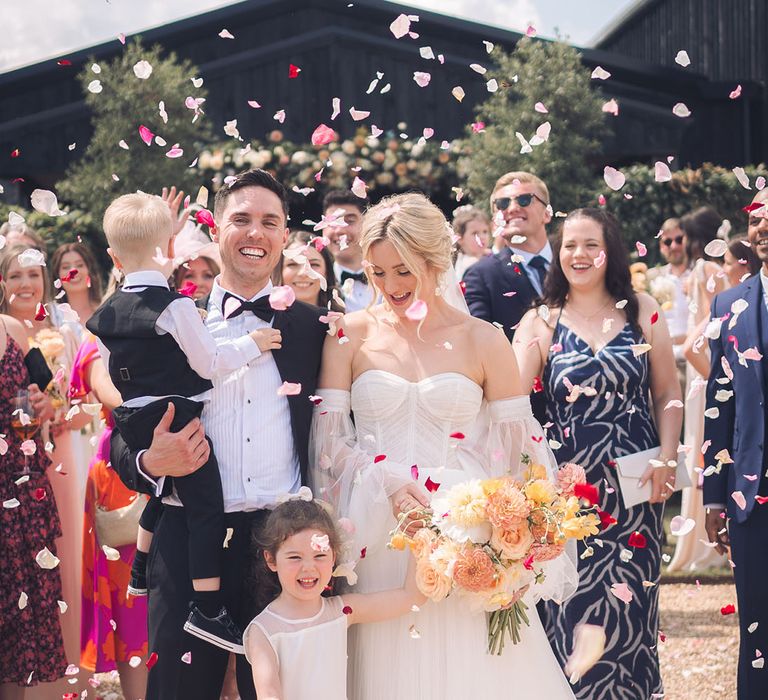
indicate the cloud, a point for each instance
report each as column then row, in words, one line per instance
column 510, row 14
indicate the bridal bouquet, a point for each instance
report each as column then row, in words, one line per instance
column 51, row 345
column 486, row 540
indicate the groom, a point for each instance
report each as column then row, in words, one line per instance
column 736, row 429
column 261, row 439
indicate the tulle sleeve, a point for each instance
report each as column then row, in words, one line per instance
column 513, row 435
column 340, row 466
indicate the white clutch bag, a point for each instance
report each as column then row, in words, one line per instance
column 631, row 467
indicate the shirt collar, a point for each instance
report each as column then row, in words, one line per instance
column 338, row 269
column 145, row 278
column 545, row 252
column 764, row 281
column 217, row 292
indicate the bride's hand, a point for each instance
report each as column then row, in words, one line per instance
column 409, row 499
column 516, row 596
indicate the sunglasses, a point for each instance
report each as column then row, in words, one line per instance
column 523, row 200
column 669, row 241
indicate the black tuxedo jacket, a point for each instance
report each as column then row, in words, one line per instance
column 298, row 361
column 486, row 283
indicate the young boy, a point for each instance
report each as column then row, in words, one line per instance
column 159, row 351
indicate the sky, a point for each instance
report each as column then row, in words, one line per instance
column 35, row 30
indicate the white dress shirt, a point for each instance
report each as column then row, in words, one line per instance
column 525, row 257
column 360, row 294
column 247, row 422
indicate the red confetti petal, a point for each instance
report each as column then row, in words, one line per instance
column 751, row 207
column 654, row 317
column 188, row 289
column 15, row 153
column 430, row 485
column 606, row 519
column 463, row 287
column 662, row 637
column 70, row 275
column 293, row 71
column 40, row 313
column 415, row 472
column 379, row 458
column 537, row 439
column 152, row 660
column 588, row 492
column 729, row 609
column 39, row 494
column 538, row 387
column 64, row 62
column 340, row 334
column 516, row 269
column 637, row 539
column 363, row 552
column 346, row 610
column 528, row 563
column 457, row 436
column 204, row 217
column 761, row 499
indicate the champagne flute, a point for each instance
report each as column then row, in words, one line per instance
column 24, row 420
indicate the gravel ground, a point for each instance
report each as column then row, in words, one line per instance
column 698, row 655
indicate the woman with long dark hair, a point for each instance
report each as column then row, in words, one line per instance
column 602, row 355
column 73, row 270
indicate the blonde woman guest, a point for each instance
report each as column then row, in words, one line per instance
column 706, row 279
column 26, row 297
column 200, row 261
column 472, row 229
column 303, row 268
column 605, row 400
column 412, row 384
column 22, row 234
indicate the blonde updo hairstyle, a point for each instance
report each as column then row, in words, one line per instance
column 418, row 231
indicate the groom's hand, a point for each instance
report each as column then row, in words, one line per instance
column 175, row 454
column 716, row 528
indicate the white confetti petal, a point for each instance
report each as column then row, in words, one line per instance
column 600, row 73
column 682, row 59
column 142, row 70
column 681, row 110
column 95, row 87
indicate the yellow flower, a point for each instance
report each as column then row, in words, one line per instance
column 467, row 503
column 540, row 491
column 398, row 541
column 581, row 526
column 491, row 486
column 536, row 471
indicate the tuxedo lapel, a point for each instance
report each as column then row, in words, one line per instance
column 750, row 333
column 515, row 278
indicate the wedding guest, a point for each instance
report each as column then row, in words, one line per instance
column 471, row 226
column 114, row 624
column 297, row 645
column 200, row 262
column 706, row 279
column 608, row 376
column 501, row 287
column 74, row 267
column 22, row 234
column 31, row 644
column 735, row 482
column 740, row 261
column 261, row 436
column 345, row 211
column 27, row 298
column 302, row 269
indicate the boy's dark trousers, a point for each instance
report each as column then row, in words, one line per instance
column 199, row 491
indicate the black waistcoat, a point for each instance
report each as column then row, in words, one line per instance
column 143, row 362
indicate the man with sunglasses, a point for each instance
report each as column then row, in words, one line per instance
column 501, row 287
column 674, row 275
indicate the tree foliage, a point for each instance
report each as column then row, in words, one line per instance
column 125, row 103
column 544, row 72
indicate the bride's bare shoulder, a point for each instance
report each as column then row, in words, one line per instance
column 357, row 324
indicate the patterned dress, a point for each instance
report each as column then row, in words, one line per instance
column 114, row 625
column 31, row 646
column 594, row 430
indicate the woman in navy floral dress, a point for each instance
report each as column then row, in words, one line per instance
column 31, row 646
column 604, row 359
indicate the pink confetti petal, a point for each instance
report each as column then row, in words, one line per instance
column 415, row 472
column 375, row 131
column 175, row 152
column 662, row 172
column 289, row 389
column 539, row 107
column 622, row 592
column 358, row 114
column 146, row 135
column 735, row 93
column 186, row 657
column 28, row 448
column 359, row 188
column 280, row 298
column 611, row 107
column 205, row 217
column 600, row 259
column 401, row 26
column 417, row 311
column 739, row 499
column 226, row 34
column 422, row 79
column 615, row 179
column 279, row 116
column 322, row 135
column 680, row 525
column 254, row 104
column 642, row 251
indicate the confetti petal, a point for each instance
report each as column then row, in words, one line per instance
column 417, row 311
column 282, row 297
column 422, row 79
column 45, row 202
column 359, row 188
column 289, row 389
column 680, row 525
column 322, row 135
column 622, row 592
column 146, row 135
column 400, row 26
column 681, row 110
column 600, row 74
column 358, row 114
column 458, row 93
column 682, row 59
column 46, row 559
column 615, row 179
column 739, row 499
column 142, row 70
column 662, row 172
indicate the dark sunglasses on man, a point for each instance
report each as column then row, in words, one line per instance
column 677, row 240
column 523, row 200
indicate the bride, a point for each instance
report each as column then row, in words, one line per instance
column 436, row 399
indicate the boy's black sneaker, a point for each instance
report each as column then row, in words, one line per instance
column 220, row 630
column 137, row 586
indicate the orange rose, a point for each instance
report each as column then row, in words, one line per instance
column 431, row 582
column 513, row 542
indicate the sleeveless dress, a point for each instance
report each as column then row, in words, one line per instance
column 311, row 652
column 31, row 646
column 438, row 653
column 594, row 431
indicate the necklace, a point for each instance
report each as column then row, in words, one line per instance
column 589, row 318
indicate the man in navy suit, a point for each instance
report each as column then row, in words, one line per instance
column 736, row 459
column 500, row 288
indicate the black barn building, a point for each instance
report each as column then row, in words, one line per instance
column 340, row 46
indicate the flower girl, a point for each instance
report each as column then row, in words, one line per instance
column 297, row 646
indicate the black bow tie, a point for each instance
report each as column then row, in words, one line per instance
column 357, row 276
column 260, row 307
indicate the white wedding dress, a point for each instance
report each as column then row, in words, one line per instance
column 438, row 653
